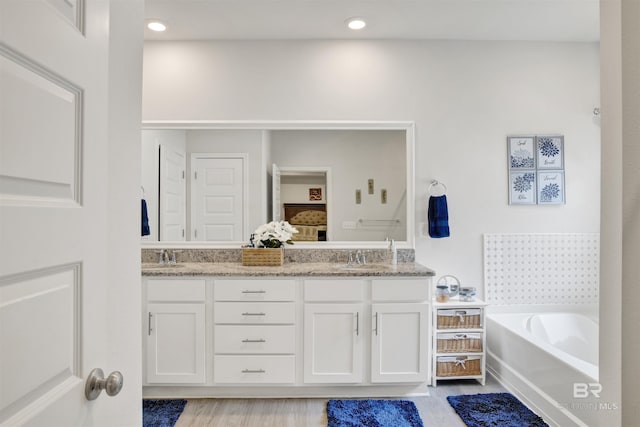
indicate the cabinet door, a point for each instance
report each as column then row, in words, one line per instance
column 399, row 342
column 175, row 343
column 333, row 343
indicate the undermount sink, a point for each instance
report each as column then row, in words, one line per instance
column 160, row 266
column 356, row 267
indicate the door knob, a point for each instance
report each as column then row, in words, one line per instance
column 96, row 382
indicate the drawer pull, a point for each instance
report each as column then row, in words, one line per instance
column 253, row 314
column 259, row 340
column 253, row 371
column 254, row 292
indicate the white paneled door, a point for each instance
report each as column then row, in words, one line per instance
column 54, row 212
column 172, row 194
column 218, row 198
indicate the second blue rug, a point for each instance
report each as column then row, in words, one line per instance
column 161, row 413
column 372, row 413
column 494, row 409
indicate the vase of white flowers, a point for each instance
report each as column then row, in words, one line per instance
column 268, row 242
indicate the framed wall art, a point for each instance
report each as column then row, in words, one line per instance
column 315, row 194
column 550, row 152
column 551, row 187
column 522, row 188
column 536, row 169
column 521, row 152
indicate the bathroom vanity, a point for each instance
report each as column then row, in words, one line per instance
column 299, row 330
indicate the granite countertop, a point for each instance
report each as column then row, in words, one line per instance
column 301, row 269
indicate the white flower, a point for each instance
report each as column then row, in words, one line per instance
column 274, row 234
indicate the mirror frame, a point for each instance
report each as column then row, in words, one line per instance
column 267, row 125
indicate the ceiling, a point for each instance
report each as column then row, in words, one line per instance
column 536, row 20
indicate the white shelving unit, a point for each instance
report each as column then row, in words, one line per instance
column 458, row 340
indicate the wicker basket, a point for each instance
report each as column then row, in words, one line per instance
column 262, row 256
column 447, row 366
column 459, row 318
column 459, row 343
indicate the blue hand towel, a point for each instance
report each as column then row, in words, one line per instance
column 145, row 220
column 438, row 217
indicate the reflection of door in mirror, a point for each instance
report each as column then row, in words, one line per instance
column 162, row 168
column 217, row 194
column 300, row 197
column 172, row 194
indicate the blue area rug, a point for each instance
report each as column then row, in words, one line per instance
column 494, row 409
column 161, row 413
column 372, row 413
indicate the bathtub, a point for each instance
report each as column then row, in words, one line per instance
column 541, row 356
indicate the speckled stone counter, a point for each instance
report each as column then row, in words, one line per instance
column 300, row 269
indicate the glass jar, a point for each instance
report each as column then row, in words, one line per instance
column 442, row 293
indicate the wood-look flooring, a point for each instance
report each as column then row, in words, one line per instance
column 434, row 410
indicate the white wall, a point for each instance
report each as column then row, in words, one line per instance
column 464, row 97
column 620, row 296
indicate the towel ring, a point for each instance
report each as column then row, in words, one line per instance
column 435, row 183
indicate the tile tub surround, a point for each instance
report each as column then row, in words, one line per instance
column 298, row 269
column 374, row 256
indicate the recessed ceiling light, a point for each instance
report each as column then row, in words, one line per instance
column 356, row 23
column 156, row 26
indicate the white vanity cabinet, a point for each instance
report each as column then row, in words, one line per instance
column 400, row 331
column 286, row 336
column 175, row 332
column 340, row 324
column 254, row 331
column 333, row 331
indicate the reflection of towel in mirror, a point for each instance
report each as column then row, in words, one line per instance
column 145, row 220
column 438, row 217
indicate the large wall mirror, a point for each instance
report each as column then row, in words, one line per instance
column 210, row 184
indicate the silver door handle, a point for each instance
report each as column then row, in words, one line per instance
column 259, row 340
column 376, row 327
column 357, row 323
column 149, row 327
column 254, row 314
column 253, row 371
column 254, row 292
column 96, row 382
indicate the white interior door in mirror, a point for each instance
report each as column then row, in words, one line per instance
column 217, row 194
column 172, row 194
column 275, row 190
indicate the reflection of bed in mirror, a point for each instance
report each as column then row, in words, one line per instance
column 310, row 219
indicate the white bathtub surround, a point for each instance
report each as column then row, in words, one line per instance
column 542, row 268
column 540, row 355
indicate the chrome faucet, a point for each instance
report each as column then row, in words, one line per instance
column 164, row 257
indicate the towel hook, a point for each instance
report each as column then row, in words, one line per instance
column 435, row 183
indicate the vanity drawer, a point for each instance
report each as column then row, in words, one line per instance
column 400, row 290
column 334, row 290
column 175, row 290
column 254, row 312
column 254, row 369
column 255, row 339
column 254, row 290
